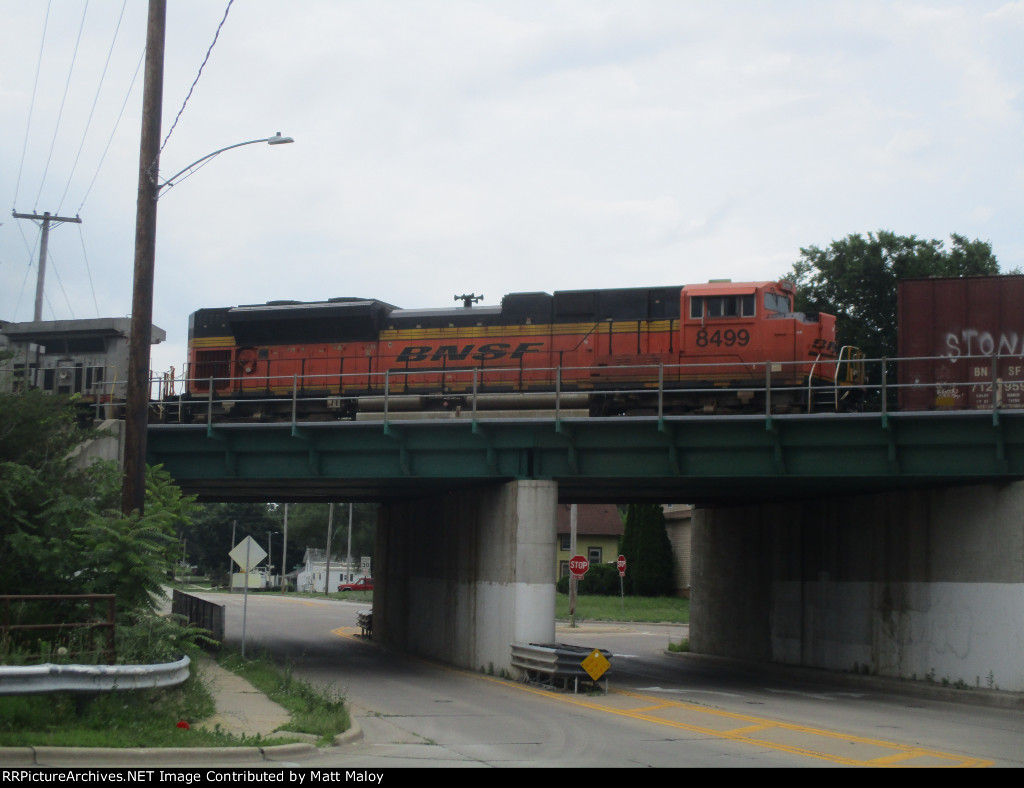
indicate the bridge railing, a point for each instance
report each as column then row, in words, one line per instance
column 880, row 385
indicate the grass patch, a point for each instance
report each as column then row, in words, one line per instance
column 681, row 647
column 651, row 610
column 313, row 710
column 136, row 718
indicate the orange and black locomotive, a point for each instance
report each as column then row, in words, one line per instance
column 715, row 347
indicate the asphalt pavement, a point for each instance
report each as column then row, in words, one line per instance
column 244, row 711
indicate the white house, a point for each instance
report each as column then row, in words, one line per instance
column 311, row 576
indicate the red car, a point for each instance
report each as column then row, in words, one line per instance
column 362, row 584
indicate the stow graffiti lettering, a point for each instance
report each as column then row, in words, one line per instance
column 488, row 352
column 972, row 342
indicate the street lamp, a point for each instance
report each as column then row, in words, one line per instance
column 136, row 416
column 270, row 557
column 277, row 139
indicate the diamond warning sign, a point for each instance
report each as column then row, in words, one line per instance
column 596, row 664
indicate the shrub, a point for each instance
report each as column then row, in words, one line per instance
column 600, row 580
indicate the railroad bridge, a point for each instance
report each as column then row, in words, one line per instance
column 888, row 542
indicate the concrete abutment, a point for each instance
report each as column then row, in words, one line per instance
column 923, row 584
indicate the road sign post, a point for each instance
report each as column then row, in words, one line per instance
column 621, row 564
column 578, row 566
column 246, row 554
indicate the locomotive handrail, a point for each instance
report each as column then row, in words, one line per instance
column 469, row 384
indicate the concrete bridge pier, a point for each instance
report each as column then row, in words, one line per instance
column 462, row 575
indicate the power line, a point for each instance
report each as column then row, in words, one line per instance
column 216, row 35
column 113, row 131
column 32, row 104
column 92, row 110
column 60, row 113
column 88, row 271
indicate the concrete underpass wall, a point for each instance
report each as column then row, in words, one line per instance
column 461, row 576
column 109, row 446
column 913, row 585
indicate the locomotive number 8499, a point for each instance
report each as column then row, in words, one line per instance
column 715, row 347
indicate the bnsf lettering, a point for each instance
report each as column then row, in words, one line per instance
column 491, row 351
column 451, row 352
column 526, row 347
column 488, row 352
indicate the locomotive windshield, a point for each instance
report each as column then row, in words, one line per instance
column 722, row 306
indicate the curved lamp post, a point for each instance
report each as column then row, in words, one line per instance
column 133, row 490
column 277, row 139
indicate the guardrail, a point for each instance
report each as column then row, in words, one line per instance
column 548, row 663
column 38, row 679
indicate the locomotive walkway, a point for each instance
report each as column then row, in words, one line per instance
column 700, row 459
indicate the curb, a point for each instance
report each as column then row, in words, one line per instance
column 167, row 756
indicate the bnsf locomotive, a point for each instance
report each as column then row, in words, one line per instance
column 713, row 347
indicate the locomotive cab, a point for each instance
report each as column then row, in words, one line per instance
column 744, row 339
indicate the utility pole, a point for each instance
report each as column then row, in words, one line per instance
column 572, row 577
column 348, row 553
column 284, row 553
column 47, row 219
column 330, row 528
column 136, row 416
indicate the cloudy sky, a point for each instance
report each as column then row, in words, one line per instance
column 495, row 146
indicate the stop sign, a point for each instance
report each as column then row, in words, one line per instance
column 578, row 566
column 621, row 564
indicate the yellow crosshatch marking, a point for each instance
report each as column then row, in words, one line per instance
column 810, row 742
column 787, row 737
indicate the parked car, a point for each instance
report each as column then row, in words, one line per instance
column 362, row 584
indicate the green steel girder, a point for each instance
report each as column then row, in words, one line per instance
column 683, row 459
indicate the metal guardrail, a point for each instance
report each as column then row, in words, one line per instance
column 38, row 679
column 551, row 662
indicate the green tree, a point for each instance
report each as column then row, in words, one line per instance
column 855, row 279
column 207, row 538
column 61, row 529
column 648, row 552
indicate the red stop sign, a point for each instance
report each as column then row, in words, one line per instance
column 621, row 564
column 578, row 566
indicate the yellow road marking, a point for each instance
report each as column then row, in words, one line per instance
column 802, row 740
column 751, row 729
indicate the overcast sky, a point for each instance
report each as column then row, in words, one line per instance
column 493, row 146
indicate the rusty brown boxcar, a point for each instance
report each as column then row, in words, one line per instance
column 961, row 341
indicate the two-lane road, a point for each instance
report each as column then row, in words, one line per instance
column 663, row 710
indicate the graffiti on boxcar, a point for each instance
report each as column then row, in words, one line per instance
column 972, row 342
